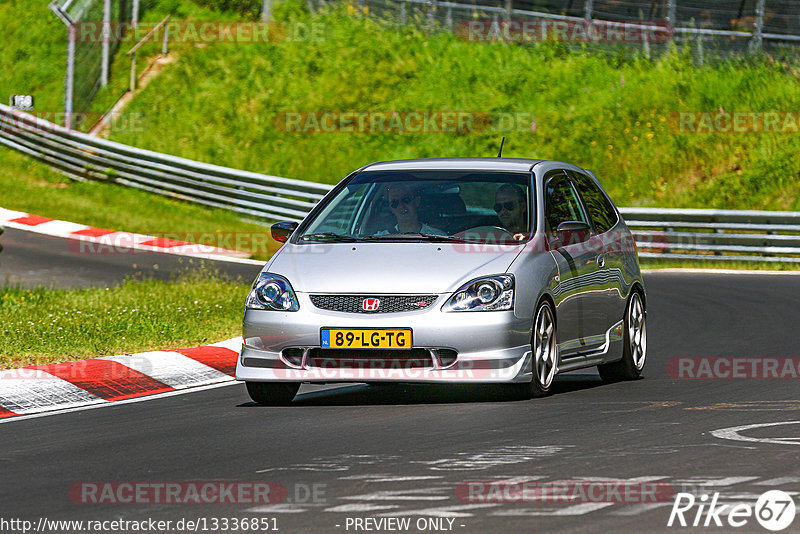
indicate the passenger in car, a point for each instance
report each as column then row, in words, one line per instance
column 511, row 206
column 404, row 204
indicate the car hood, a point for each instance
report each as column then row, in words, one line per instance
column 388, row 267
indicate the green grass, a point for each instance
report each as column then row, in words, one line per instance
column 219, row 104
column 40, row 326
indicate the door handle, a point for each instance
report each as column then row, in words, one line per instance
column 601, row 260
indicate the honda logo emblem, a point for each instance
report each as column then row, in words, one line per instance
column 370, row 304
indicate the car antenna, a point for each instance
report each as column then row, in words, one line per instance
column 500, row 154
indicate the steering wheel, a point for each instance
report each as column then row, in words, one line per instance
column 489, row 229
column 497, row 232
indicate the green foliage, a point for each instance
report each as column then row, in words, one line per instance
column 615, row 116
column 39, row 326
column 247, row 8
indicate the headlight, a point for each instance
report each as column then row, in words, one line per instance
column 272, row 292
column 491, row 293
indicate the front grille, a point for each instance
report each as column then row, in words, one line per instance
column 369, row 358
column 388, row 303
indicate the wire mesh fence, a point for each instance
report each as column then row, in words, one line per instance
column 706, row 29
column 91, row 29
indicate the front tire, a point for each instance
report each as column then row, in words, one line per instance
column 634, row 344
column 272, row 393
column 544, row 353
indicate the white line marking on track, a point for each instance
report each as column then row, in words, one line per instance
column 780, row 481
column 355, row 508
column 283, row 508
column 417, row 494
column 508, row 455
column 734, row 433
column 443, row 511
column 575, row 509
column 636, row 509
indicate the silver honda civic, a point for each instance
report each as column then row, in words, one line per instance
column 452, row 270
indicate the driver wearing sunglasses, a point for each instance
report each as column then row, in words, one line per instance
column 404, row 204
column 510, row 204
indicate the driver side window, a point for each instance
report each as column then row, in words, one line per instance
column 562, row 203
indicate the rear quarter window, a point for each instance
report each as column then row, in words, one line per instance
column 600, row 209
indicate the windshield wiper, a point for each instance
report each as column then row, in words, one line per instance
column 418, row 235
column 327, row 236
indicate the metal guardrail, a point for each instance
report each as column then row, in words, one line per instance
column 718, row 235
column 82, row 157
column 694, row 234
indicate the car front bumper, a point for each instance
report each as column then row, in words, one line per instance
column 464, row 347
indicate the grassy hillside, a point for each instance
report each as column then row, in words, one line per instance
column 221, row 103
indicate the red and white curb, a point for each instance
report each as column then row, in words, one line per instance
column 113, row 240
column 43, row 388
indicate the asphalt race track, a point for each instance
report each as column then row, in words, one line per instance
column 31, row 259
column 359, row 451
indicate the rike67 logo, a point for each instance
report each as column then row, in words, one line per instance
column 774, row 510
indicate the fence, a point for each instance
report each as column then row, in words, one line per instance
column 668, row 234
column 724, row 235
column 720, row 26
column 82, row 157
column 89, row 59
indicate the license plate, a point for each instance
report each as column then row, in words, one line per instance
column 365, row 338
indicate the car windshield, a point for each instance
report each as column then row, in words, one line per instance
column 430, row 205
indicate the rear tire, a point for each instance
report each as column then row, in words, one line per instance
column 634, row 348
column 272, row 393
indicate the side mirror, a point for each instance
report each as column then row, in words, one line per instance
column 281, row 231
column 572, row 232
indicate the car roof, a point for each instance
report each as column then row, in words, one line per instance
column 481, row 164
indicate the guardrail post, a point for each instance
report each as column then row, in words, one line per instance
column 402, row 12
column 509, row 7
column 69, row 83
column 266, row 10
column 135, row 14
column 645, row 40
column 758, row 30
column 431, row 9
column 700, row 50
column 448, row 19
column 133, row 72
column 164, row 41
column 587, row 9
column 106, row 43
column 672, row 17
